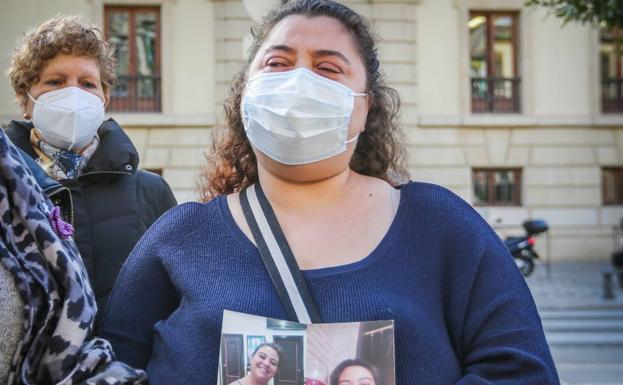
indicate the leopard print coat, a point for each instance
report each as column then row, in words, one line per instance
column 59, row 306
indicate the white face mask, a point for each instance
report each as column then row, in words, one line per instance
column 297, row 117
column 68, row 118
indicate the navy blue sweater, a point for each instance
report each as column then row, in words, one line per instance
column 463, row 312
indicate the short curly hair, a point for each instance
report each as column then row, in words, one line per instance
column 69, row 35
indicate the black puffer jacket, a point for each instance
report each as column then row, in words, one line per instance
column 113, row 203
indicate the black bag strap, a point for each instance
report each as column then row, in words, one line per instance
column 277, row 256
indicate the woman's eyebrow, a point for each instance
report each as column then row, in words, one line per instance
column 328, row 52
column 279, row 47
column 320, row 52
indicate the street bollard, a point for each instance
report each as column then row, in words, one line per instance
column 608, row 290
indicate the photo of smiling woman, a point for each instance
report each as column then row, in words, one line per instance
column 264, row 364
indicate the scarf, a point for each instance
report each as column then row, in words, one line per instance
column 59, row 305
column 59, row 163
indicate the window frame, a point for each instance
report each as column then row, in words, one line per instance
column 618, row 176
column 152, row 105
column 490, row 184
column 617, row 36
column 490, row 60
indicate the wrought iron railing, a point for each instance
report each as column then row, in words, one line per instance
column 612, row 95
column 136, row 94
column 496, row 95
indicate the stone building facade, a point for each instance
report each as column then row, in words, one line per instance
column 557, row 138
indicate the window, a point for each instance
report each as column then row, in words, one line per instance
column 611, row 58
column 135, row 31
column 612, row 185
column 493, row 62
column 497, row 187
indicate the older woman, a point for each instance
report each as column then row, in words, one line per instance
column 311, row 121
column 264, row 364
column 61, row 73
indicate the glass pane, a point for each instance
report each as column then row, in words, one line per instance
column 146, row 40
column 481, row 195
column 118, row 34
column 478, row 46
column 610, row 186
column 608, row 56
column 503, row 47
column 504, row 186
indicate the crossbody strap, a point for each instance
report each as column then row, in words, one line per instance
column 277, row 256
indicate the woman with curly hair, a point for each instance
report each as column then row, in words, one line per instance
column 62, row 73
column 311, row 121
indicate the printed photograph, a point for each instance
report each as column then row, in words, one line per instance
column 267, row 351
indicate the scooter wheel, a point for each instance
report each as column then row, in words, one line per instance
column 525, row 265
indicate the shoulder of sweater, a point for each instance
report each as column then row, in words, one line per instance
column 429, row 196
column 439, row 207
column 185, row 218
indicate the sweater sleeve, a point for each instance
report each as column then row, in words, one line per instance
column 142, row 296
column 503, row 340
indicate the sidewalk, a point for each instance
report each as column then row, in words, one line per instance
column 583, row 329
column 572, row 286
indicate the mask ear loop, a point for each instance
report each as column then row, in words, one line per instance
column 357, row 136
column 352, row 139
column 31, row 98
column 26, row 115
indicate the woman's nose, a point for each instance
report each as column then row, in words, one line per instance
column 304, row 62
column 72, row 82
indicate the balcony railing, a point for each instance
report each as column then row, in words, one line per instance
column 496, row 95
column 612, row 95
column 136, row 94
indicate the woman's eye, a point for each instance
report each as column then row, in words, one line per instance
column 276, row 62
column 331, row 69
column 89, row 85
column 53, row 82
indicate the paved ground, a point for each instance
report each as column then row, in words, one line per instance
column 584, row 330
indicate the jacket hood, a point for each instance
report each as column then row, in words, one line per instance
column 115, row 152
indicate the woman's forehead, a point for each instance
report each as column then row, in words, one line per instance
column 63, row 64
column 314, row 33
column 272, row 353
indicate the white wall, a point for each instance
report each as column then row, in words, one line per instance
column 437, row 47
column 561, row 66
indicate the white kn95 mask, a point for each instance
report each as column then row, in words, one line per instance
column 68, row 118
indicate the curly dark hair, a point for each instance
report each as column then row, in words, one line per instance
column 380, row 151
column 334, row 378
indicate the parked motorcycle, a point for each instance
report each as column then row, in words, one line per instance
column 522, row 248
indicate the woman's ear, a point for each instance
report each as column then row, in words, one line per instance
column 106, row 97
column 22, row 100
